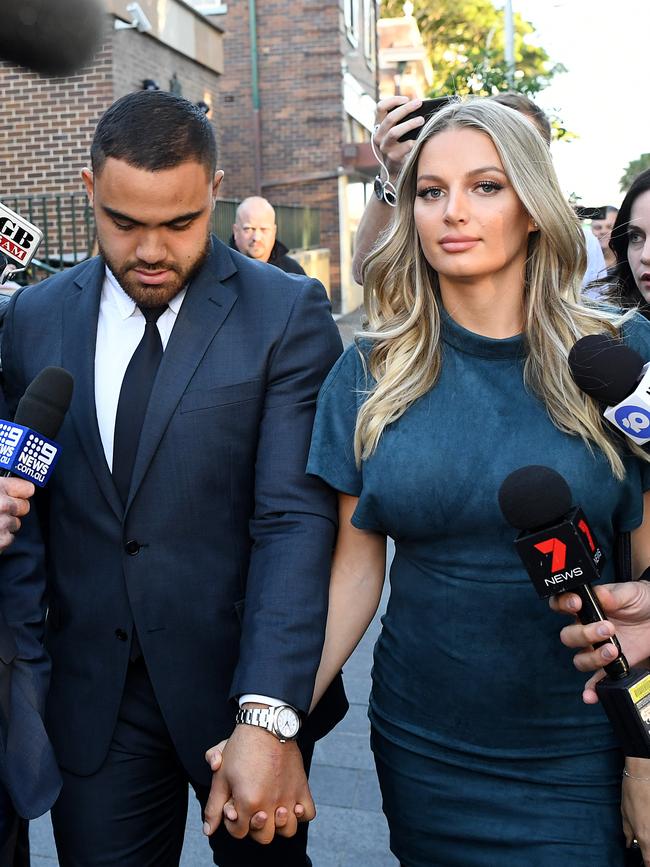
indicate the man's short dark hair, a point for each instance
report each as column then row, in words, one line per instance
column 154, row 130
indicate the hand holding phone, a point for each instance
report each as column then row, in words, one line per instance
column 428, row 108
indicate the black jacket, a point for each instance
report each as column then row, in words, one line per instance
column 278, row 258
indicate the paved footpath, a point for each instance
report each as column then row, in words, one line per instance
column 350, row 829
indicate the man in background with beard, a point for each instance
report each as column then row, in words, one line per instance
column 188, row 553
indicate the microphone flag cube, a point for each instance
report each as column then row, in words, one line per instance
column 26, row 453
column 632, row 415
column 19, row 239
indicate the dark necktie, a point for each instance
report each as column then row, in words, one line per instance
column 134, row 397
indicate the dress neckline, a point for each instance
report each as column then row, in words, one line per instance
column 477, row 344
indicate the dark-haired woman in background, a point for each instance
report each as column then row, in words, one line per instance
column 629, row 278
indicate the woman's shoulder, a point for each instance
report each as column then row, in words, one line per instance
column 351, row 369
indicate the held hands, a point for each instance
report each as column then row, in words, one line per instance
column 627, row 606
column 14, row 505
column 259, row 786
column 388, row 128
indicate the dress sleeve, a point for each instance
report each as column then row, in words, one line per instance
column 331, row 456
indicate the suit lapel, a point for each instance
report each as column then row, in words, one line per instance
column 80, row 317
column 204, row 310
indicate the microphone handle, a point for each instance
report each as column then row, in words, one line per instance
column 591, row 612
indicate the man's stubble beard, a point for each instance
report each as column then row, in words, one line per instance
column 154, row 296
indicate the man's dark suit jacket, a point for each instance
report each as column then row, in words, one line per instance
column 28, row 771
column 221, row 557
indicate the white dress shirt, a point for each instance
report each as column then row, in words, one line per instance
column 120, row 328
column 119, row 331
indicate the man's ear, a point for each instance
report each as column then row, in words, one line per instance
column 216, row 183
column 89, row 183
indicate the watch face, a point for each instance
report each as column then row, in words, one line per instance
column 287, row 722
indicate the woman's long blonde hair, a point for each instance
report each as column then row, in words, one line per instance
column 402, row 294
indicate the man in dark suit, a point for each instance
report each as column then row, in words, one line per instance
column 188, row 553
column 29, row 778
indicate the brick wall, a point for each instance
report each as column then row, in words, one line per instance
column 46, row 124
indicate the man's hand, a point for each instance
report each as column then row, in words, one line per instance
column 259, row 786
column 627, row 606
column 214, row 757
column 14, row 505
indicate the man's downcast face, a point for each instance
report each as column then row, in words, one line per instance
column 152, row 227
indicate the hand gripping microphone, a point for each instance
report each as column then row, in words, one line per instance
column 560, row 553
column 27, row 447
column 612, row 373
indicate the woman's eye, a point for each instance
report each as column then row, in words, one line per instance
column 635, row 237
column 430, row 193
column 490, row 186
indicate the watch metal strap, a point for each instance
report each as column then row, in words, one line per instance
column 256, row 716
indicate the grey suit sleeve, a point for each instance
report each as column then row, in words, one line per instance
column 294, row 523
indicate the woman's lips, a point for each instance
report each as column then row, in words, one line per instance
column 457, row 243
column 152, row 278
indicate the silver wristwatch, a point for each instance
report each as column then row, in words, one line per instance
column 283, row 721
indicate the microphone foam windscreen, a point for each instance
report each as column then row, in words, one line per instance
column 604, row 368
column 46, row 401
column 534, row 496
column 53, row 37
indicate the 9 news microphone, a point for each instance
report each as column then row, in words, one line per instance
column 560, row 553
column 617, row 376
column 27, row 447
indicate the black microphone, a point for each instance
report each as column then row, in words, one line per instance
column 560, row 553
column 27, row 447
column 52, row 37
column 615, row 375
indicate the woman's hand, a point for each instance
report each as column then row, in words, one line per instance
column 635, row 805
column 627, row 606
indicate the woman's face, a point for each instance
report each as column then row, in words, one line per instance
column 469, row 219
column 638, row 243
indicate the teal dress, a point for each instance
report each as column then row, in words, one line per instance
column 485, row 751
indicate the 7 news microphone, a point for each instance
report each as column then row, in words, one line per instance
column 559, row 551
column 618, row 377
column 27, row 447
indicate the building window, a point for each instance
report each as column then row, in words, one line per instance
column 352, row 20
column 369, row 32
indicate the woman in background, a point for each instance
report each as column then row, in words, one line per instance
column 629, row 278
column 485, row 753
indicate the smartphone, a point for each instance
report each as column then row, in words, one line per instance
column 428, row 108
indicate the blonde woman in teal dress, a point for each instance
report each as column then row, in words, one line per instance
column 486, row 754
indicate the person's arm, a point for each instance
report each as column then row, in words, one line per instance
column 358, row 570
column 357, row 579
column 388, row 129
column 293, row 530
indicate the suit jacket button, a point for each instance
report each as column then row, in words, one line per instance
column 132, row 547
column 121, row 635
